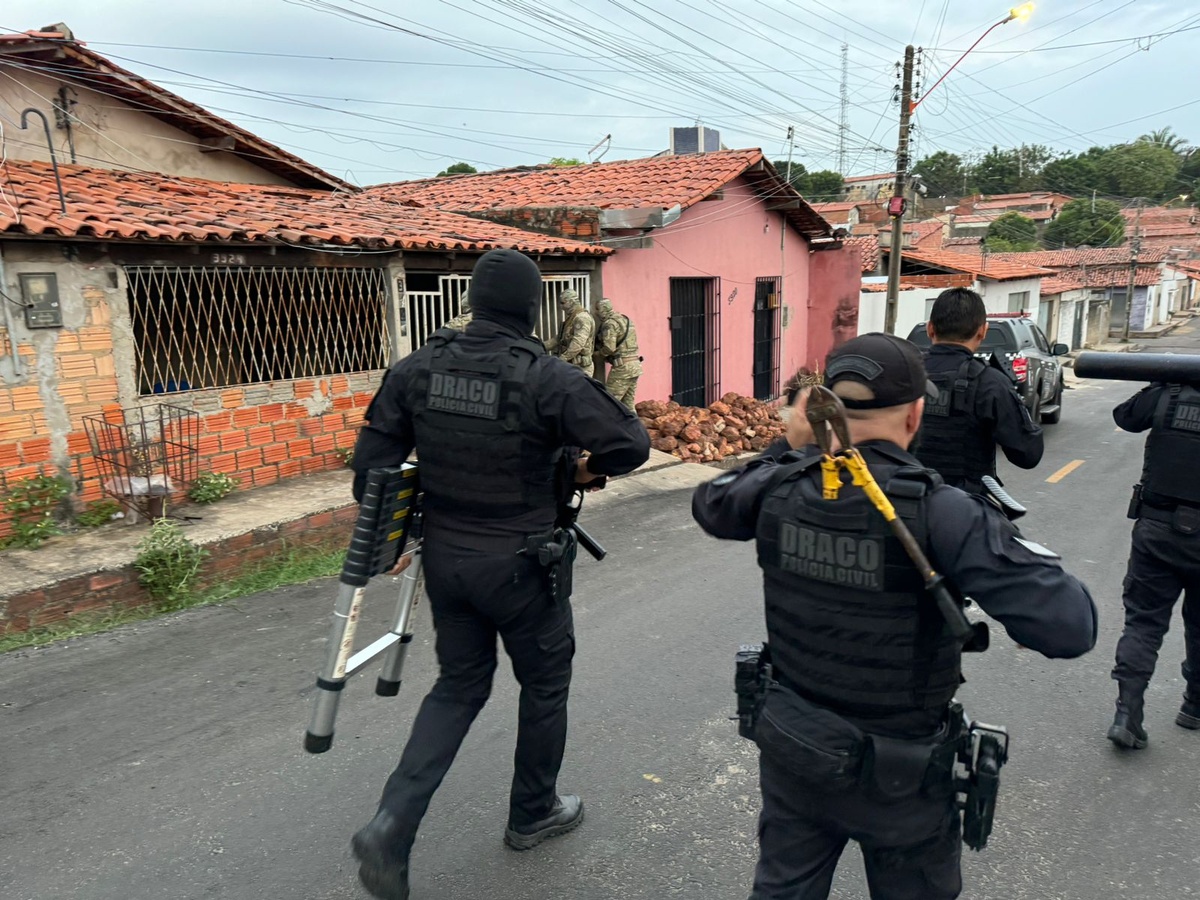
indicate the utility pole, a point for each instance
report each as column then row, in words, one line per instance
column 897, row 203
column 844, row 118
column 1134, row 248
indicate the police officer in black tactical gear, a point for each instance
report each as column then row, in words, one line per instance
column 1165, row 557
column 853, row 734
column 489, row 413
column 976, row 407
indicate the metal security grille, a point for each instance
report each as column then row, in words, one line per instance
column 695, row 341
column 204, row 327
column 766, row 338
column 430, row 310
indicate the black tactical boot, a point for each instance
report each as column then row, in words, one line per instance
column 1189, row 713
column 384, row 858
column 1126, row 730
column 566, row 816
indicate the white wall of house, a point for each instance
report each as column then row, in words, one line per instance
column 1070, row 309
column 1021, row 294
column 912, row 307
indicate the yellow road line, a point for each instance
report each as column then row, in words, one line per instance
column 1065, row 471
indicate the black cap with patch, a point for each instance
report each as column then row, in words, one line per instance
column 891, row 367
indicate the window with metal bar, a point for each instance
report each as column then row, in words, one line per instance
column 429, row 310
column 204, row 327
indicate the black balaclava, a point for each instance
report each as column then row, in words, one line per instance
column 506, row 288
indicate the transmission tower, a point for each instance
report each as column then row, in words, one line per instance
column 844, row 117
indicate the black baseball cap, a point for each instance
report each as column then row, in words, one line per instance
column 891, row 367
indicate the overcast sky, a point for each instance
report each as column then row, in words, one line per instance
column 505, row 82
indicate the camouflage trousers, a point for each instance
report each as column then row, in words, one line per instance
column 622, row 381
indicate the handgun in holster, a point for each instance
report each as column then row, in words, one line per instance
column 752, row 674
column 982, row 753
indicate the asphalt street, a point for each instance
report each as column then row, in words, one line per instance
column 163, row 761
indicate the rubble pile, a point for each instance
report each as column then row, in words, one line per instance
column 734, row 424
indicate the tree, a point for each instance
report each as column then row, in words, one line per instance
column 1075, row 174
column 1011, row 171
column 1140, row 169
column 562, row 161
column 1011, row 233
column 824, row 186
column 1165, row 138
column 821, row 187
column 1084, row 223
column 459, row 168
column 942, row 173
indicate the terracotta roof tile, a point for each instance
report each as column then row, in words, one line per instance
column 103, row 203
column 858, row 179
column 975, row 264
column 1083, row 256
column 868, row 246
column 656, row 182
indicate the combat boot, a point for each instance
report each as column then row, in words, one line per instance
column 383, row 855
column 1189, row 713
column 566, row 815
column 1126, row 730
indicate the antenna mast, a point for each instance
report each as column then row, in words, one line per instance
column 844, row 118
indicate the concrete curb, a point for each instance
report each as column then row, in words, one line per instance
column 90, row 569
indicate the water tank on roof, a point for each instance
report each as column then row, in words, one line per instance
column 696, row 139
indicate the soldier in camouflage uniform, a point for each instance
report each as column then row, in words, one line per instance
column 574, row 342
column 463, row 319
column 616, row 344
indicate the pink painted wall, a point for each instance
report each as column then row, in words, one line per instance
column 736, row 239
column 834, row 292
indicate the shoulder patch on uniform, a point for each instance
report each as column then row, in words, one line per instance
column 1036, row 548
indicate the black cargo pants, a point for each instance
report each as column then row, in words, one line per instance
column 912, row 848
column 475, row 596
column 1163, row 563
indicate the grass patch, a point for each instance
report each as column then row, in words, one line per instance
column 292, row 567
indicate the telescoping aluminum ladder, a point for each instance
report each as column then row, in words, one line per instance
column 388, row 520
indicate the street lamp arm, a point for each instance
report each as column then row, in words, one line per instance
column 1012, row 15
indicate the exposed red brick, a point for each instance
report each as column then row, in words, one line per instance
column 286, row 431
column 103, row 580
column 260, row 435
column 248, row 459
column 234, row 440
column 274, row 453
column 272, row 412
column 245, row 417
column 323, row 443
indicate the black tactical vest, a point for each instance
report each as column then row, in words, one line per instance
column 477, row 407
column 850, row 624
column 1172, row 460
column 953, row 443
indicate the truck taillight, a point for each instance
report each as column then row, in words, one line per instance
column 1020, row 367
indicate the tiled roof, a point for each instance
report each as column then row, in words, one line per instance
column 1074, row 279
column 1036, row 214
column 926, row 234
column 840, row 206
column 868, row 246
column 1083, row 256
column 655, row 182
column 975, row 264
column 962, row 241
column 115, row 205
column 858, row 179
column 1009, row 201
column 64, row 58
column 1191, row 269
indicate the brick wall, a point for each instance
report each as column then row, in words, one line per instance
column 118, row 589
column 83, row 383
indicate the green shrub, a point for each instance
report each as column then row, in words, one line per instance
column 168, row 563
column 31, row 504
column 98, row 513
column 209, row 487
